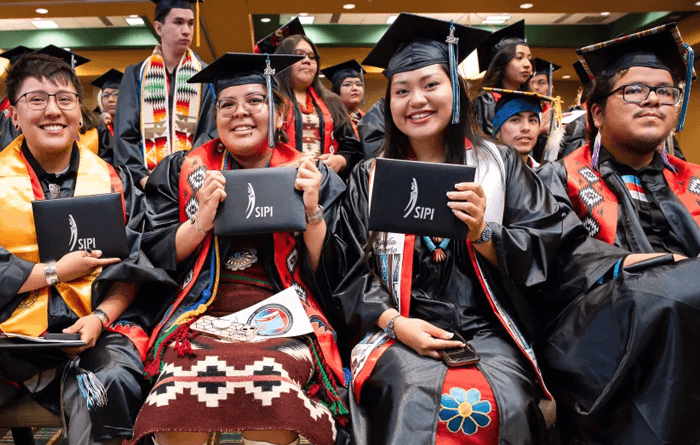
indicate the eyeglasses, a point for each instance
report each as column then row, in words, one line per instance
column 301, row 52
column 39, row 100
column 637, row 93
column 357, row 84
column 251, row 104
column 114, row 94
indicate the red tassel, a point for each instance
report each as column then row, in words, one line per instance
column 152, row 368
column 184, row 347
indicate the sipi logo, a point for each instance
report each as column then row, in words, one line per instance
column 260, row 211
column 83, row 243
column 414, row 198
column 420, row 212
column 251, row 201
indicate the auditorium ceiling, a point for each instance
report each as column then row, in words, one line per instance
column 116, row 33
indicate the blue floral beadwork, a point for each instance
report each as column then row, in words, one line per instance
column 464, row 410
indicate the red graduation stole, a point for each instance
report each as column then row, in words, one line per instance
column 330, row 145
column 210, row 157
column 597, row 205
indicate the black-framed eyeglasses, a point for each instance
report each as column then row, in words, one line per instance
column 251, row 104
column 301, row 52
column 39, row 100
column 638, row 92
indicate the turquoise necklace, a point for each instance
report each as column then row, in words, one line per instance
column 439, row 250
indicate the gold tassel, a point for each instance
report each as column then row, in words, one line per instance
column 197, row 21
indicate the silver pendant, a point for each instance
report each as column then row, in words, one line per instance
column 242, row 259
column 54, row 190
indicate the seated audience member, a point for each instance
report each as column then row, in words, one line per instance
column 403, row 296
column 621, row 361
column 508, row 63
column 517, row 121
column 317, row 122
column 542, row 82
column 348, row 83
column 271, row 390
column 98, row 387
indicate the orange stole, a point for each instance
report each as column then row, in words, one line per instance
column 90, row 140
column 18, row 188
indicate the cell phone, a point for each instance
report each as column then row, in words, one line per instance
column 61, row 336
column 459, row 356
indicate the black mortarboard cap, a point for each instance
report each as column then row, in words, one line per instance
column 233, row 69
column 111, row 79
column 269, row 43
column 338, row 73
column 15, row 53
column 242, row 68
column 71, row 58
column 661, row 47
column 414, row 41
column 164, row 5
column 581, row 73
column 542, row 66
column 497, row 40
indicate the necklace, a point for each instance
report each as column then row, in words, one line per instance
column 308, row 108
column 439, row 250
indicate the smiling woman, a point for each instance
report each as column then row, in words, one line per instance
column 81, row 292
column 185, row 191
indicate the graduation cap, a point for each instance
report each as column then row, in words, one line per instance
column 547, row 68
column 338, row 73
column 581, row 73
column 15, row 53
column 71, row 58
column 111, row 79
column 513, row 102
column 234, row 69
column 269, row 44
column 167, row 5
column 413, row 42
column 661, row 47
column 498, row 40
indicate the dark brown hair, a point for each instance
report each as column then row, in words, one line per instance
column 497, row 68
column 40, row 66
column 332, row 100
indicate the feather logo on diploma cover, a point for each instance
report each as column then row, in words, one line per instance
column 414, row 198
column 251, row 201
column 73, row 232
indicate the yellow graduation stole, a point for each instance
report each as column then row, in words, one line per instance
column 90, row 140
column 18, row 188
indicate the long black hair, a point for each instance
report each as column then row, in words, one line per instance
column 332, row 100
column 496, row 72
column 396, row 144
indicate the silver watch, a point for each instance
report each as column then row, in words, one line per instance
column 486, row 235
column 50, row 273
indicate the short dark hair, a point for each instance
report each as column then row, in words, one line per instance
column 160, row 16
column 40, row 66
column 602, row 87
column 497, row 69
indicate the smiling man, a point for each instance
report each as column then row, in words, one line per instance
column 620, row 361
column 517, row 121
column 158, row 112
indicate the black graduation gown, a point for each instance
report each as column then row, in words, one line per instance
column 484, row 108
column 127, row 122
column 620, row 361
column 546, row 259
column 163, row 221
column 574, row 136
column 371, row 130
column 8, row 133
column 126, row 387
